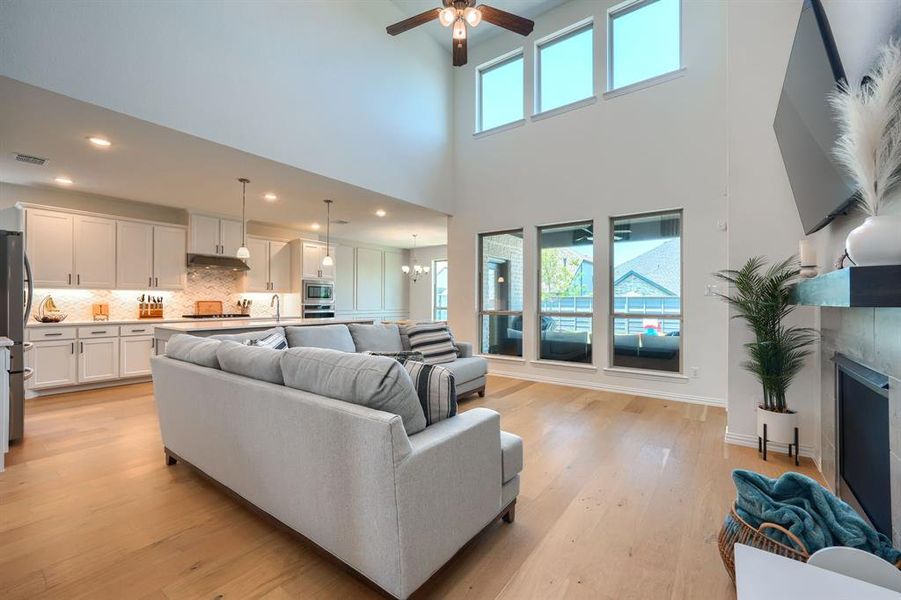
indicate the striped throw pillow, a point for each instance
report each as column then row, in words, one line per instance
column 434, row 341
column 276, row 341
column 436, row 389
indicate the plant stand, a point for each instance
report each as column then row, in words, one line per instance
column 762, row 445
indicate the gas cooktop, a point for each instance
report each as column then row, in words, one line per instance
column 217, row 316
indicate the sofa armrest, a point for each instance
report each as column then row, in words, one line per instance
column 464, row 349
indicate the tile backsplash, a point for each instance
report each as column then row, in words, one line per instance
column 201, row 284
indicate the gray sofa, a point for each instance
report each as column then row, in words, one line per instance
column 392, row 506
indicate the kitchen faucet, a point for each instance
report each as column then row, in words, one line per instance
column 277, row 303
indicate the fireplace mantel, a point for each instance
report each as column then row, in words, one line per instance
column 871, row 287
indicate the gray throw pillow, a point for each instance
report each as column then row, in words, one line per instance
column 256, row 362
column 376, row 338
column 332, row 337
column 193, row 349
column 437, row 390
column 374, row 381
column 248, row 336
column 401, row 357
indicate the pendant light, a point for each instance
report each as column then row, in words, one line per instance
column 327, row 260
column 417, row 270
column 243, row 253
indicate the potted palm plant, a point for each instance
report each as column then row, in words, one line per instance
column 761, row 296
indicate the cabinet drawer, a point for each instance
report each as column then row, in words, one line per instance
column 99, row 331
column 51, row 333
column 128, row 330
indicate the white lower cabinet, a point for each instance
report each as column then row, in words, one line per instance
column 98, row 359
column 55, row 364
column 134, row 355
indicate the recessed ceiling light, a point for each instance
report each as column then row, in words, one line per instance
column 100, row 142
column 380, row 213
column 270, row 197
column 316, row 225
column 63, row 181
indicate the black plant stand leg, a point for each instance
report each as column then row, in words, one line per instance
column 759, row 444
column 764, row 441
column 789, row 450
column 797, row 448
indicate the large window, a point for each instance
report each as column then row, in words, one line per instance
column 500, row 89
column 566, row 292
column 644, row 41
column 439, row 290
column 646, row 286
column 500, row 309
column 565, row 68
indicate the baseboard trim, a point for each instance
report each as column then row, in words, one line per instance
column 32, row 394
column 750, row 441
column 593, row 385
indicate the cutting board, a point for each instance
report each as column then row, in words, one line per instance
column 208, row 307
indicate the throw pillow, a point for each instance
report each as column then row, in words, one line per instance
column 401, row 357
column 436, row 389
column 377, row 337
column 434, row 341
column 255, row 362
column 243, row 338
column 193, row 349
column 276, row 341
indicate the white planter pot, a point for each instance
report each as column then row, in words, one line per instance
column 876, row 242
column 780, row 427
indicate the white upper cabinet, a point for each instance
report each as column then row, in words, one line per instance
column 257, row 278
column 327, row 272
column 134, row 251
column 50, row 245
column 279, row 266
column 396, row 287
column 212, row 235
column 169, row 255
column 230, row 233
column 312, row 256
column 95, row 252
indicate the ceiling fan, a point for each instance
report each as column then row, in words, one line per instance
column 460, row 14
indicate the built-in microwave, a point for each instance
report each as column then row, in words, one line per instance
column 318, row 291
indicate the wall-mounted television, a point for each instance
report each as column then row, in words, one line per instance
column 805, row 125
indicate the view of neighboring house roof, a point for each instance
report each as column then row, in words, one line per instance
column 659, row 266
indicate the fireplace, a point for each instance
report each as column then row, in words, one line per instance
column 863, row 471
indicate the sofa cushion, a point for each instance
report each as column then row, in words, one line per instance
column 511, row 456
column 401, row 357
column 193, row 349
column 467, row 369
column 433, row 340
column 376, row 338
column 330, row 337
column 248, row 336
column 256, row 362
column 374, row 381
column 434, row 385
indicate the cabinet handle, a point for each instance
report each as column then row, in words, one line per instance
column 81, row 347
column 98, row 332
column 70, row 278
column 78, row 277
column 73, row 348
column 156, row 281
column 138, row 330
column 52, row 334
column 149, row 281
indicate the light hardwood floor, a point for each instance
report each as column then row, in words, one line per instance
column 622, row 497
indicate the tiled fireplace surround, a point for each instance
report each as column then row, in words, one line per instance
column 872, row 337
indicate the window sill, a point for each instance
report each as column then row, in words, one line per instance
column 499, row 129
column 562, row 363
column 565, row 108
column 646, row 83
column 642, row 374
column 501, row 357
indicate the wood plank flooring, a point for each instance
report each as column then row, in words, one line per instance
column 622, row 498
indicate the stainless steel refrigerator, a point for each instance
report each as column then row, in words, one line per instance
column 16, row 291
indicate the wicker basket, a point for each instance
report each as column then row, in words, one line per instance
column 737, row 531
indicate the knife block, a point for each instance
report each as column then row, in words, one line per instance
column 150, row 310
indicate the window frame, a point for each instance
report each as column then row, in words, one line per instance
column 481, row 313
column 539, row 313
column 549, row 40
column 625, row 8
column 613, row 315
column 495, row 63
column 434, row 279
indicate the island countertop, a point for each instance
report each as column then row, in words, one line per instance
column 204, row 328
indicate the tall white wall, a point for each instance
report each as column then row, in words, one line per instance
column 316, row 85
column 657, row 148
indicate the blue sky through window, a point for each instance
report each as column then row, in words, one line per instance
column 567, row 70
column 501, row 94
column 646, row 42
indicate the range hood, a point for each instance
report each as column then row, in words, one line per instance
column 206, row 261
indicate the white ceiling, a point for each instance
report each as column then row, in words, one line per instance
column 524, row 8
column 154, row 164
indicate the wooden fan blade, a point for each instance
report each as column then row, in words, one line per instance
column 502, row 18
column 459, row 52
column 412, row 22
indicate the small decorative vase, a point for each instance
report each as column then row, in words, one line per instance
column 780, row 427
column 876, row 242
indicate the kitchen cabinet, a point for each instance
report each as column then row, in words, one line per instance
column 50, row 245
column 98, row 359
column 149, row 256
column 95, row 252
column 345, row 263
column 369, row 279
column 214, row 235
column 134, row 355
column 312, row 255
column 169, row 251
column 270, row 266
column 54, row 362
column 279, row 266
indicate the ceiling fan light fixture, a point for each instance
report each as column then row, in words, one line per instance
column 460, row 29
column 447, row 16
column 472, row 15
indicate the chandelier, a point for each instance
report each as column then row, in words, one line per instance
column 417, row 271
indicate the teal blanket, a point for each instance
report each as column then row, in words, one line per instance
column 809, row 511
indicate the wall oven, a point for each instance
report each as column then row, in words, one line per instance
column 318, row 291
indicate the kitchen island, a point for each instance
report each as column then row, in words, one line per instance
column 204, row 328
